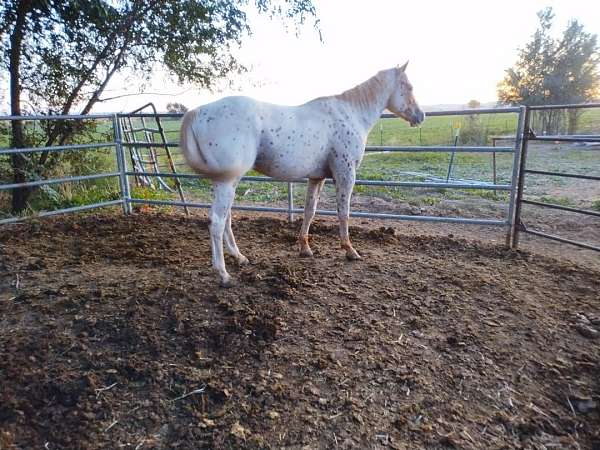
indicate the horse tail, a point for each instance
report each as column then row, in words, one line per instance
column 189, row 143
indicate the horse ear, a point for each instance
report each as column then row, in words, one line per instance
column 403, row 68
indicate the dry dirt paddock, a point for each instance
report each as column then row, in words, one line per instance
column 113, row 334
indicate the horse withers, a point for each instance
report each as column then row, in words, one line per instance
column 322, row 138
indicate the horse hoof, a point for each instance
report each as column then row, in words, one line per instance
column 353, row 256
column 226, row 283
column 306, row 252
column 242, row 260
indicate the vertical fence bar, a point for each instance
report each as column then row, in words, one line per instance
column 517, row 204
column 494, row 172
column 520, row 134
column 122, row 165
column 163, row 136
column 451, row 164
column 290, row 202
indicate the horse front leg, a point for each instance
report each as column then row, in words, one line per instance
column 344, row 182
column 223, row 195
column 313, row 191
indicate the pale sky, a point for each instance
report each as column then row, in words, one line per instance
column 458, row 50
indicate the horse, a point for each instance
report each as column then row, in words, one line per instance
column 324, row 138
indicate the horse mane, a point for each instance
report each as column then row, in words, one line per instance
column 367, row 92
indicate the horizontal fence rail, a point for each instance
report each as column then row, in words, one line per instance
column 56, row 148
column 329, row 213
column 63, row 211
column 460, row 112
column 59, row 117
column 563, row 138
column 96, row 176
column 378, row 148
column 566, row 106
column 562, row 174
column 497, row 187
column 438, row 148
column 553, row 237
column 586, row 212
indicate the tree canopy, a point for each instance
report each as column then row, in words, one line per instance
column 70, row 49
column 175, row 107
column 553, row 70
column 61, row 54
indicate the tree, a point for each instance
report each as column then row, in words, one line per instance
column 554, row 71
column 176, row 107
column 61, row 54
column 473, row 131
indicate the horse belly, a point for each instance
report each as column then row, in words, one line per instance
column 293, row 144
column 288, row 161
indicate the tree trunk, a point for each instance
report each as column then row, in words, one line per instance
column 573, row 120
column 18, row 161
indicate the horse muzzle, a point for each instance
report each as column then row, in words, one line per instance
column 416, row 118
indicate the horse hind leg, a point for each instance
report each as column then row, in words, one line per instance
column 223, row 193
column 344, row 183
column 230, row 244
column 312, row 198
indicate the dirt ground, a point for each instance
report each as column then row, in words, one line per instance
column 114, row 334
column 568, row 225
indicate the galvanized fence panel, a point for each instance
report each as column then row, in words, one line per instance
column 127, row 201
column 529, row 136
column 507, row 221
column 513, row 220
column 60, row 180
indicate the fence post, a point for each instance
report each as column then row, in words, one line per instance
column 122, row 166
column 290, row 202
column 518, row 178
column 451, row 164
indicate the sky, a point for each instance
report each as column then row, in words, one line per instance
column 458, row 51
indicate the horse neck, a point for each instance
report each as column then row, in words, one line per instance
column 370, row 98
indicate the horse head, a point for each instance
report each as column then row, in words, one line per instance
column 402, row 101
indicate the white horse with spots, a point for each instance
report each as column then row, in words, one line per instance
column 322, row 138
